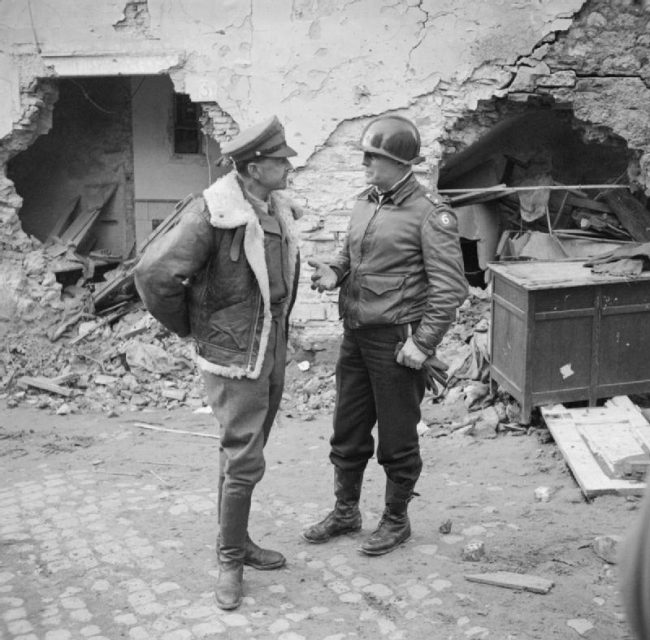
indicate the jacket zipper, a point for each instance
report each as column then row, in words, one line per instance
column 253, row 326
column 365, row 233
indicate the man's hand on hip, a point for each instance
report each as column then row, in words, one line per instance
column 324, row 277
column 410, row 356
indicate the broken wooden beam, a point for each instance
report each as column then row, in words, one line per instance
column 44, row 384
column 550, row 187
column 62, row 221
column 588, row 203
column 122, row 310
column 510, row 580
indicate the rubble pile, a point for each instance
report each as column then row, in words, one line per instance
column 131, row 364
column 124, row 360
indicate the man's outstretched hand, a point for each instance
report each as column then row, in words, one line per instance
column 324, row 278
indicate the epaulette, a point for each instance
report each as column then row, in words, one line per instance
column 445, row 214
column 437, row 199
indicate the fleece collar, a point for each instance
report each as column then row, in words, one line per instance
column 229, row 208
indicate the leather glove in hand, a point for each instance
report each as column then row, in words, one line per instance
column 435, row 369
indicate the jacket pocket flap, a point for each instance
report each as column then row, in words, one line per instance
column 379, row 283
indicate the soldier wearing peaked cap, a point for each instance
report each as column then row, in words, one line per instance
column 226, row 275
column 402, row 278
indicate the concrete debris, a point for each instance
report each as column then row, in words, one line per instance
column 580, row 625
column 543, row 494
column 473, row 551
column 606, row 548
column 122, row 359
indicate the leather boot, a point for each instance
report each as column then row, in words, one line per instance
column 262, row 559
column 346, row 517
column 394, row 527
column 232, row 550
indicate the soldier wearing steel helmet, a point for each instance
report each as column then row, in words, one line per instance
column 401, row 279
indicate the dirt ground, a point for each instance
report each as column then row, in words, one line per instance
column 107, row 531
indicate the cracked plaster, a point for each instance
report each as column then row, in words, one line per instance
column 315, row 63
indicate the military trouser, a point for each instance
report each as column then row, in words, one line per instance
column 246, row 410
column 372, row 388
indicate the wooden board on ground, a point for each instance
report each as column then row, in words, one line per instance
column 44, row 384
column 607, row 448
column 509, row 580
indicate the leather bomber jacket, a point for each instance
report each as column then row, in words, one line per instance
column 206, row 278
column 401, row 263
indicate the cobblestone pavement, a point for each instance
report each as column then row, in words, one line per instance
column 115, row 540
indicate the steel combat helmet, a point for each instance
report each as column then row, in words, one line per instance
column 394, row 137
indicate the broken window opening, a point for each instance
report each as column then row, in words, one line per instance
column 187, row 125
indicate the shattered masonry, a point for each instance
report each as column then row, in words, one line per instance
column 457, row 71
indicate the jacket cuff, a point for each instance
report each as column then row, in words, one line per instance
column 340, row 274
column 429, row 352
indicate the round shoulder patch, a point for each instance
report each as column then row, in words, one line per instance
column 445, row 219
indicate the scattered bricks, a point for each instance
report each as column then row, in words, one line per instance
column 174, row 394
column 543, row 494
column 473, row 551
column 44, row 384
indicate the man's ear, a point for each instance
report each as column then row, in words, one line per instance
column 253, row 170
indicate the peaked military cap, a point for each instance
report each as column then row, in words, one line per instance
column 265, row 139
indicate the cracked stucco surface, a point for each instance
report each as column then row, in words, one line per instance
column 315, row 63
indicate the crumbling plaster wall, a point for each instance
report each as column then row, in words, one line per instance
column 326, row 66
column 600, row 67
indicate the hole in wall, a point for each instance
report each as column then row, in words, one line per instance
column 535, row 144
column 120, row 153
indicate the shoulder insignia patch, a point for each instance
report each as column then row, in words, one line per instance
column 445, row 219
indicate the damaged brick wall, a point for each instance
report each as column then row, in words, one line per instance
column 599, row 67
column 27, row 290
column 309, row 62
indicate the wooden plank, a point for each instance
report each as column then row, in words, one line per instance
column 62, row 220
column 510, row 580
column 44, row 384
column 587, row 203
column 612, row 444
column 637, row 418
column 79, row 227
column 588, row 473
column 634, row 217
